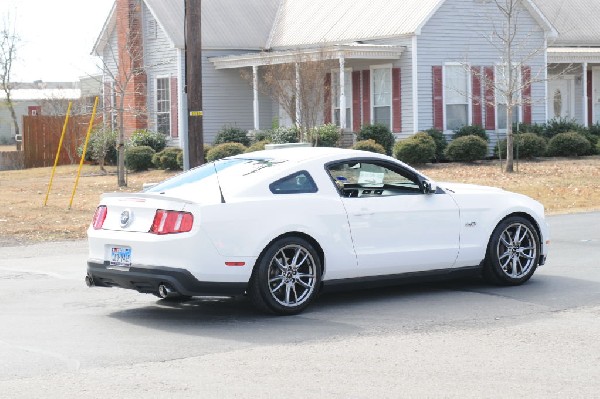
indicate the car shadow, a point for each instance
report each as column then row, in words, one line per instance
column 401, row 307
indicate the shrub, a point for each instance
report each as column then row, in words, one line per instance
column 258, row 146
column 155, row 140
column 369, row 145
column 471, row 130
column 561, row 125
column 102, row 147
column 467, row 149
column 380, row 134
column 206, row 148
column 325, row 135
column 262, row 135
column 167, row 159
column 225, row 150
column 232, row 134
column 536, row 128
column 416, row 149
column 440, row 143
column 598, row 147
column 180, row 160
column 593, row 139
column 139, row 157
column 525, row 145
column 283, row 135
column 568, row 144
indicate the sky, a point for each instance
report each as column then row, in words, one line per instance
column 56, row 37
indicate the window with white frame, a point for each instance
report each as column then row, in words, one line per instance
column 502, row 88
column 382, row 95
column 163, row 106
column 335, row 98
column 456, row 96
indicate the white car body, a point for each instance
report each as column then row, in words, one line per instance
column 236, row 216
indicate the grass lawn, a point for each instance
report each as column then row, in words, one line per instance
column 562, row 185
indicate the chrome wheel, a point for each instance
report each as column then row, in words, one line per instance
column 517, row 250
column 292, row 275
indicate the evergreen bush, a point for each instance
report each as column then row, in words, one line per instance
column 380, row 134
column 417, row 149
column 569, row 144
column 525, row 145
column 225, row 150
column 369, row 145
column 440, row 143
column 232, row 134
column 155, row 140
column 467, row 149
column 167, row 159
column 471, row 130
column 139, row 158
column 325, row 135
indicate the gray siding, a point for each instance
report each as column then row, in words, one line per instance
column 457, row 33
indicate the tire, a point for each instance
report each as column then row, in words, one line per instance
column 512, row 253
column 286, row 277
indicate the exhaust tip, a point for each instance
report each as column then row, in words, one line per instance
column 89, row 281
column 166, row 292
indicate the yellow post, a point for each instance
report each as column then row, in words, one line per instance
column 87, row 138
column 62, row 136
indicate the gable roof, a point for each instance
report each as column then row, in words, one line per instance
column 305, row 22
column 575, row 20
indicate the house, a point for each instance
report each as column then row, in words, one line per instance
column 574, row 60
column 411, row 65
column 33, row 99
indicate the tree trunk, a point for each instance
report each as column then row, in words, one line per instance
column 121, row 149
column 509, row 140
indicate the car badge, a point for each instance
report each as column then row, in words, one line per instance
column 126, row 218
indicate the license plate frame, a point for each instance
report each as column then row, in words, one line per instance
column 120, row 256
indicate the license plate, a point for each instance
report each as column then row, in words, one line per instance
column 120, row 256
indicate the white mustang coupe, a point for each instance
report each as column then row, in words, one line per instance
column 282, row 225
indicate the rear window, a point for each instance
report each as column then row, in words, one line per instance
column 297, row 183
column 237, row 166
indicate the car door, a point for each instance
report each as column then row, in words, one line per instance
column 395, row 227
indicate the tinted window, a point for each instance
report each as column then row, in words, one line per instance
column 298, row 183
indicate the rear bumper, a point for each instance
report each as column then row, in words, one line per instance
column 147, row 280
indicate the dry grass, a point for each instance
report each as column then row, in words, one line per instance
column 562, row 185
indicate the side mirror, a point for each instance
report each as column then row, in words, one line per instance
column 429, row 187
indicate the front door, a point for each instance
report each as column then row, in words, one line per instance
column 395, row 227
column 561, row 97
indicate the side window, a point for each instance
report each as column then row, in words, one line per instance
column 298, row 183
column 356, row 179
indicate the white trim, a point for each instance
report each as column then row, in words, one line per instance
column 545, row 72
column 349, row 104
column 415, row 86
column 372, row 92
column 182, row 114
column 584, row 82
column 255, row 105
column 469, row 93
column 168, row 78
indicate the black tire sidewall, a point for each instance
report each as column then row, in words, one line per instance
column 261, row 276
column 492, row 264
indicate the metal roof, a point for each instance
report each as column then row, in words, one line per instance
column 575, row 20
column 310, row 22
column 226, row 24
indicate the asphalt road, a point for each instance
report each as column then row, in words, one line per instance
column 462, row 338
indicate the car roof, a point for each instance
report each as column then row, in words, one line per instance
column 301, row 154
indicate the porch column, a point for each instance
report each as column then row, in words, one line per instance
column 255, row 92
column 342, row 92
column 298, row 114
column 584, row 82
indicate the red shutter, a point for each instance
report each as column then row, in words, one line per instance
column 366, row 97
column 490, row 100
column 396, row 101
column 526, row 78
column 590, row 99
column 355, row 101
column 327, row 99
column 476, row 95
column 174, row 108
column 438, row 98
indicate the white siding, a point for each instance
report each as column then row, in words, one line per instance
column 457, row 33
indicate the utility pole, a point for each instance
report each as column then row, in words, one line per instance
column 193, row 81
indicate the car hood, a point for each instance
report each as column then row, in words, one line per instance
column 461, row 188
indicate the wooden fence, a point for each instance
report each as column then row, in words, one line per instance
column 41, row 136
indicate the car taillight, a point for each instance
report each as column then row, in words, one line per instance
column 99, row 217
column 170, row 222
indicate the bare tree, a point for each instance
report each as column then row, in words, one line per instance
column 297, row 86
column 516, row 50
column 9, row 43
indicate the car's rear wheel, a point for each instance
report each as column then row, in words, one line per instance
column 513, row 252
column 286, row 278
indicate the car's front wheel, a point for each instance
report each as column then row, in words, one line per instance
column 513, row 252
column 287, row 277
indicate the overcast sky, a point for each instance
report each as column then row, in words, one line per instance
column 57, row 37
